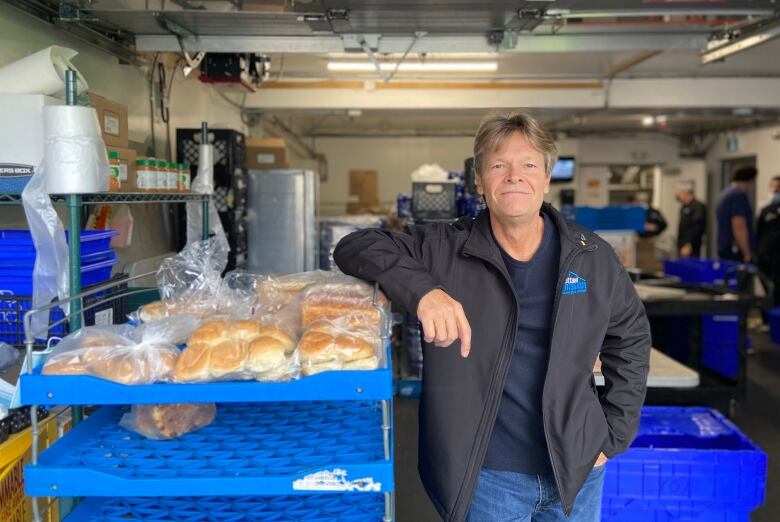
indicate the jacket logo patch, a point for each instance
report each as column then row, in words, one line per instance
column 574, row 284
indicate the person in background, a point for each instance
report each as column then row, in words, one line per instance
column 693, row 221
column 655, row 223
column 768, row 238
column 736, row 239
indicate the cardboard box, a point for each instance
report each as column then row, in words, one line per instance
column 266, row 153
column 646, row 259
column 21, row 138
column 364, row 187
column 113, row 120
column 127, row 177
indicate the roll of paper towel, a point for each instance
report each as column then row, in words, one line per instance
column 74, row 155
column 40, row 73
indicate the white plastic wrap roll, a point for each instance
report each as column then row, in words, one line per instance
column 74, row 155
column 204, row 184
column 40, row 73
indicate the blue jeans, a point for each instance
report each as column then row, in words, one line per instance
column 504, row 496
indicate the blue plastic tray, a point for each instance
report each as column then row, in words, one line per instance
column 702, row 271
column 326, row 386
column 774, row 324
column 613, row 217
column 19, row 281
column 250, row 449
column 28, row 260
column 686, row 458
column 309, row 508
column 15, row 243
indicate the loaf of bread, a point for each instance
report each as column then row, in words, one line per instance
column 338, row 345
column 224, row 350
column 112, row 357
column 343, row 296
column 168, row 421
column 157, row 310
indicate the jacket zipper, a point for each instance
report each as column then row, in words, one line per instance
column 495, row 401
column 561, row 278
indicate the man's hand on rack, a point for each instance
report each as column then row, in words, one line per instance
column 444, row 321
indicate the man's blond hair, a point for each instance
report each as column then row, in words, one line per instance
column 497, row 127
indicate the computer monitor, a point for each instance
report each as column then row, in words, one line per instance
column 563, row 171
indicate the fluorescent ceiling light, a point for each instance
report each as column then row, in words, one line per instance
column 416, row 67
column 648, row 121
column 763, row 31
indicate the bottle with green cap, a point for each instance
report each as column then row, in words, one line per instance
column 115, row 171
column 146, row 174
column 173, row 176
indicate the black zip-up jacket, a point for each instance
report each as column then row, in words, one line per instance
column 596, row 309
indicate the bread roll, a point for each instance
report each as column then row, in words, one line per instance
column 168, row 421
column 236, row 350
column 334, row 345
column 332, row 300
column 67, row 364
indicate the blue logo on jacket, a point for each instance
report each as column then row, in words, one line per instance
column 574, row 284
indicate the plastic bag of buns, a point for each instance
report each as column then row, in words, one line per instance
column 349, row 342
column 168, row 421
column 189, row 282
column 230, row 349
column 143, row 355
column 342, row 295
column 274, row 293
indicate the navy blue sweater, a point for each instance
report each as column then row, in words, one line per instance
column 518, row 443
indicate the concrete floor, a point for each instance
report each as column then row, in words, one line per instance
column 758, row 417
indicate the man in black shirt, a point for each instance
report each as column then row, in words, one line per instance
column 693, row 222
column 768, row 238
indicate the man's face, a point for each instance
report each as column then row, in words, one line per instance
column 774, row 186
column 513, row 179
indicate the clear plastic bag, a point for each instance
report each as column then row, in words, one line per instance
column 342, row 295
column 276, row 292
column 189, row 282
column 168, row 421
column 349, row 342
column 9, row 356
column 204, row 184
column 143, row 355
column 50, row 274
column 238, row 350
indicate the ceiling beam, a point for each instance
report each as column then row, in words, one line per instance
column 431, row 43
column 643, row 94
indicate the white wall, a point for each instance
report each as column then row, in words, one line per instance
column 396, row 158
column 191, row 103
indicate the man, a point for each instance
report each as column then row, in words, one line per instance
column 736, row 240
column 768, row 238
column 511, row 424
column 693, row 221
column 655, row 223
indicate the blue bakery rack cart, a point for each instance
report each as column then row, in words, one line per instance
column 317, row 449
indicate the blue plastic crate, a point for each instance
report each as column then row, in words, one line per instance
column 687, row 461
column 326, row 386
column 28, row 260
column 309, row 508
column 13, row 307
column 702, row 271
column 18, row 243
column 614, row 217
column 16, row 280
column 281, row 448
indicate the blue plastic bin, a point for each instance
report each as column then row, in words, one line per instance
column 774, row 324
column 719, row 332
column 702, row 271
column 614, row 217
column 18, row 244
column 686, row 464
column 16, row 280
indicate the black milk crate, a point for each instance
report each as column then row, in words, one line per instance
column 110, row 310
column 433, row 200
column 229, row 148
